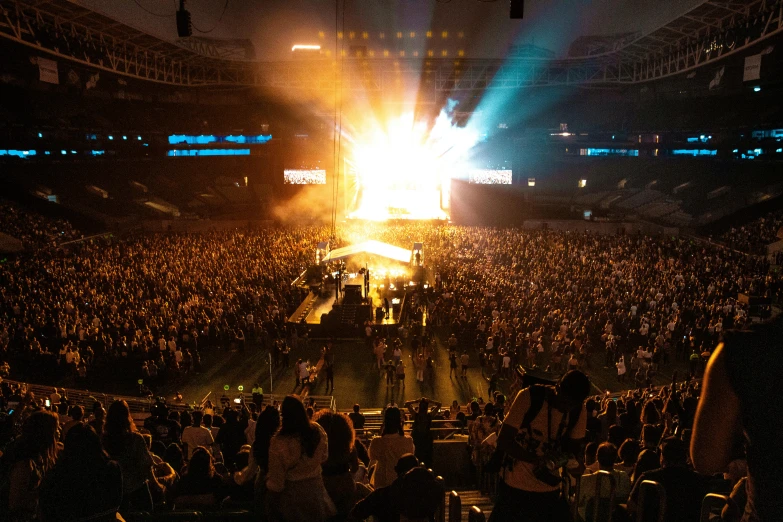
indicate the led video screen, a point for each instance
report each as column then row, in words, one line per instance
column 490, row 177
column 304, row 177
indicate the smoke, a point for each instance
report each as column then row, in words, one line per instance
column 309, row 205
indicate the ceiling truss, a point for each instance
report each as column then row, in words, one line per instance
column 712, row 30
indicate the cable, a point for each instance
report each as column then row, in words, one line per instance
column 337, row 136
column 153, row 13
column 216, row 23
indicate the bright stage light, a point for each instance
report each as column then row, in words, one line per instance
column 306, row 47
column 403, row 170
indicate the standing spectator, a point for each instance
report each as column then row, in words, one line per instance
column 231, row 437
column 336, row 471
column 386, row 450
column 31, row 459
column 266, row 426
column 196, row 435
column 523, row 493
column 125, row 445
column 464, row 361
column 295, row 486
column 84, row 484
column 357, row 419
column 421, row 431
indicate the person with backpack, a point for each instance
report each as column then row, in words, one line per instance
column 542, row 431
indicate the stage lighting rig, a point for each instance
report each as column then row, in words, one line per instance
column 184, row 25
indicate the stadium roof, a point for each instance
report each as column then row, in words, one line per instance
column 709, row 31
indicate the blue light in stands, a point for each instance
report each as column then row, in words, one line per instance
column 40, row 135
column 125, row 137
column 249, row 139
column 209, row 152
column 608, row 152
column 756, row 89
column 111, row 137
column 138, row 138
column 694, row 152
column 63, row 152
column 177, row 139
column 18, row 153
column 97, row 152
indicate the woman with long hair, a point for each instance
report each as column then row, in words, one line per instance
column 125, row 445
column 295, row 488
column 342, row 460
column 387, row 449
column 267, row 425
column 200, row 485
column 608, row 418
column 31, row 459
column 84, row 484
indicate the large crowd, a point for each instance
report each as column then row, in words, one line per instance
column 32, row 229
column 753, row 237
column 151, row 304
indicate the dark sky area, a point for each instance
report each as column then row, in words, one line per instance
column 481, row 29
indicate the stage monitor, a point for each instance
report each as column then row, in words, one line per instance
column 490, row 177
column 304, row 177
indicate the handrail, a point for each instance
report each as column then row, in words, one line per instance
column 714, row 503
column 82, row 239
column 205, row 399
column 455, row 507
column 647, row 487
column 476, row 515
column 442, row 506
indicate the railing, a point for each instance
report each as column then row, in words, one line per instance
column 143, row 404
column 455, row 507
column 136, row 404
column 476, row 515
column 713, row 505
column 442, row 429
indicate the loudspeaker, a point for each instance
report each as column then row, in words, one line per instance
column 517, row 9
column 184, row 27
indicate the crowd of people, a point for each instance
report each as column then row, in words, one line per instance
column 282, row 462
column 32, row 229
column 150, row 304
column 753, row 237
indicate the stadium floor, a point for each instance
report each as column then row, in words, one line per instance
column 357, row 379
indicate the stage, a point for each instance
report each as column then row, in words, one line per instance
column 314, row 307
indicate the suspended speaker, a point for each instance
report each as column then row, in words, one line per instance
column 517, row 9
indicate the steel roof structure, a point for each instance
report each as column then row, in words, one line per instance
column 710, row 31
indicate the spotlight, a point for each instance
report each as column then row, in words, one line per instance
column 517, row 9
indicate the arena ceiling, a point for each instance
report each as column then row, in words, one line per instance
column 709, row 31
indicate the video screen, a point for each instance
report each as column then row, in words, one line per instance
column 304, row 177
column 490, row 177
